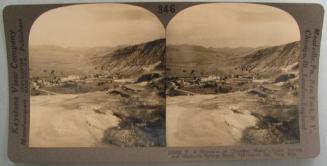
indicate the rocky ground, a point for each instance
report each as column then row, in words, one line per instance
column 264, row 114
column 142, row 116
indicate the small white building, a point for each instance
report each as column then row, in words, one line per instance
column 210, row 78
column 70, row 78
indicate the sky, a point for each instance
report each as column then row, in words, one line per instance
column 92, row 25
column 210, row 25
column 232, row 25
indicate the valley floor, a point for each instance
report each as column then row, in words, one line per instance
column 267, row 116
column 229, row 119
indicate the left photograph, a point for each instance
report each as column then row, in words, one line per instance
column 97, row 77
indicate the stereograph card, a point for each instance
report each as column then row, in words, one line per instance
column 158, row 82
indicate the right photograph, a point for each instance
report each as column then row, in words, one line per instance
column 232, row 76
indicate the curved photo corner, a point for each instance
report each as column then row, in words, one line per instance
column 232, row 76
column 96, row 77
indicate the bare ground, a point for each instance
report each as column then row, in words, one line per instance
column 71, row 120
column 209, row 120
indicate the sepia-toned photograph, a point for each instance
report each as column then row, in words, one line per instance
column 232, row 76
column 97, row 77
column 100, row 76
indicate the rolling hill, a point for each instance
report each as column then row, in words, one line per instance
column 135, row 59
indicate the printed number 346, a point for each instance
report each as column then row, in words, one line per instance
column 166, row 9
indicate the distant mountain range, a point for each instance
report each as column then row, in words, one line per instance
column 64, row 61
column 181, row 60
column 123, row 60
